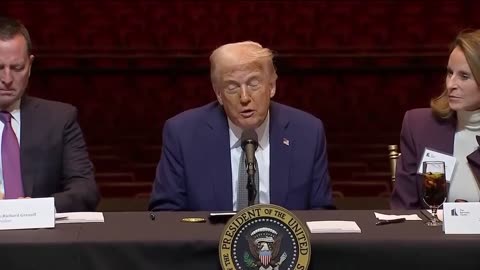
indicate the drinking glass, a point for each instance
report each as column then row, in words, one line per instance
column 434, row 188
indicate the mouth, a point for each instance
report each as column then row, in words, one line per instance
column 247, row 113
column 6, row 91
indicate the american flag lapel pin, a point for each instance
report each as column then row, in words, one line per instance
column 286, row 142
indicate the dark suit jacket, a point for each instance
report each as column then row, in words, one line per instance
column 422, row 129
column 194, row 172
column 53, row 156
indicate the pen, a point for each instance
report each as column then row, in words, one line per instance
column 391, row 221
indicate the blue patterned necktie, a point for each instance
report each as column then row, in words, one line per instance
column 242, row 192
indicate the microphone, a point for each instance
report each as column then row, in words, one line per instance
column 249, row 146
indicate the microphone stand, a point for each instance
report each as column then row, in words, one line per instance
column 251, row 188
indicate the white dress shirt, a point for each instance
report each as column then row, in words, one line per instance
column 262, row 155
column 16, row 128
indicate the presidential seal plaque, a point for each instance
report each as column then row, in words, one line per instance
column 264, row 237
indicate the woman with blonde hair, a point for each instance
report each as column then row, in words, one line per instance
column 450, row 126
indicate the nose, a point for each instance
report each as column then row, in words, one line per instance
column 6, row 77
column 451, row 82
column 244, row 95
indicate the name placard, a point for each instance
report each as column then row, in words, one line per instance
column 461, row 218
column 27, row 213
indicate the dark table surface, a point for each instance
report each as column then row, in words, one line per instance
column 132, row 240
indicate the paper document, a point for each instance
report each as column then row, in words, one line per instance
column 390, row 217
column 333, row 226
column 432, row 155
column 79, row 217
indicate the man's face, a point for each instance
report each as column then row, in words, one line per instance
column 245, row 92
column 15, row 65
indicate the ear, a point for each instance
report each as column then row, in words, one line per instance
column 273, row 88
column 219, row 96
column 31, row 62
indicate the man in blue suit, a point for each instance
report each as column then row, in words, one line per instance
column 200, row 163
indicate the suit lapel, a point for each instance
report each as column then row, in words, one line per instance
column 444, row 138
column 27, row 130
column 218, row 160
column 280, row 155
column 474, row 161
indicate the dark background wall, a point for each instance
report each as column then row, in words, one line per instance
column 129, row 65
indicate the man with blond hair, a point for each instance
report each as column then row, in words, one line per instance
column 202, row 162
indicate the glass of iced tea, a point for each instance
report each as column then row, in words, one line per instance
column 434, row 188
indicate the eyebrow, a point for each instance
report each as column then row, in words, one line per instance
column 460, row 71
column 13, row 64
column 229, row 81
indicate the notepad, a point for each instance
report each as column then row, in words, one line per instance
column 79, row 217
column 333, row 226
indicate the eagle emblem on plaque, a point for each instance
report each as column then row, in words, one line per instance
column 264, row 237
column 264, row 249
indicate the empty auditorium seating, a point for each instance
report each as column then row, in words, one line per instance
column 188, row 25
column 130, row 65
